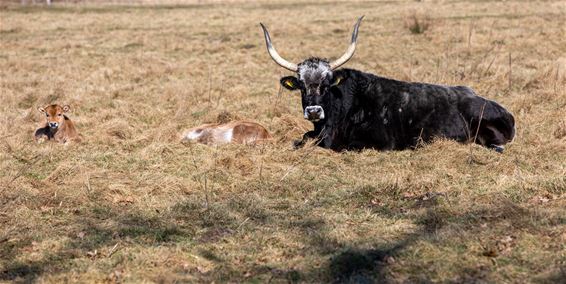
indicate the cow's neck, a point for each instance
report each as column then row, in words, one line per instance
column 354, row 109
column 319, row 126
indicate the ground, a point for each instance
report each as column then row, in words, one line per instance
column 131, row 203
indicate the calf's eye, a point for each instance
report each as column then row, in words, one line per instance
column 59, row 114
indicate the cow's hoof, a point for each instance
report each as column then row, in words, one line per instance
column 497, row 148
column 298, row 144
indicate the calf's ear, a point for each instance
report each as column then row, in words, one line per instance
column 66, row 108
column 290, row 83
column 40, row 109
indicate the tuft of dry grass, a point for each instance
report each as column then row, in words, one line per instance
column 133, row 204
column 417, row 23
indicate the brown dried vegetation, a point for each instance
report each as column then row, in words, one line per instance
column 133, row 204
column 417, row 23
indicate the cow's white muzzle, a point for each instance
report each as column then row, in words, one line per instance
column 314, row 113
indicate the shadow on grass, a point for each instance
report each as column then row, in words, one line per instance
column 361, row 266
column 90, row 238
column 368, row 265
column 201, row 225
column 351, row 264
column 100, row 226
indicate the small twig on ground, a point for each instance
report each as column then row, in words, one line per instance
column 206, row 190
column 479, row 122
column 467, row 127
column 209, row 87
column 88, row 188
column 113, row 250
column 221, row 92
column 205, row 193
column 276, row 104
column 491, row 31
column 261, row 152
column 489, row 66
column 190, row 145
column 241, row 224
column 510, row 74
column 557, row 78
column 470, row 33
column 420, row 141
column 438, row 69
column 471, row 157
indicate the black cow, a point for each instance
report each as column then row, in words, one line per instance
column 351, row 109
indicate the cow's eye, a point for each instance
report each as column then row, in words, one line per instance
column 59, row 114
column 47, row 115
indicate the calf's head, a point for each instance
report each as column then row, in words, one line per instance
column 54, row 115
column 313, row 77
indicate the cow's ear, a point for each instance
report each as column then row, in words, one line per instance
column 290, row 83
column 336, row 80
column 66, row 108
column 40, row 109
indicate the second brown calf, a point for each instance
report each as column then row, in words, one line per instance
column 240, row 132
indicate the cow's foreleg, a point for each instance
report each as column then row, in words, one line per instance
column 299, row 143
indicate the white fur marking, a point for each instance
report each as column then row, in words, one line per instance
column 227, row 136
column 324, row 70
column 193, row 135
column 383, row 111
column 310, row 108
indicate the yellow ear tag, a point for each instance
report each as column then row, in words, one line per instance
column 337, row 81
column 289, row 83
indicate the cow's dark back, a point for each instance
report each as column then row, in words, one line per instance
column 369, row 111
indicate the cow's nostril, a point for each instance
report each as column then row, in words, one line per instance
column 314, row 113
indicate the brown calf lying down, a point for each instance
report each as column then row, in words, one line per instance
column 57, row 126
column 240, row 132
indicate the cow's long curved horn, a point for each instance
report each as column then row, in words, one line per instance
column 276, row 57
column 351, row 49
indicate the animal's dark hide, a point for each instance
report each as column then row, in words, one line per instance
column 362, row 110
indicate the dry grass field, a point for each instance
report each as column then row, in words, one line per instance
column 131, row 203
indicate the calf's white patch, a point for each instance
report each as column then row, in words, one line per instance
column 227, row 135
column 193, row 135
